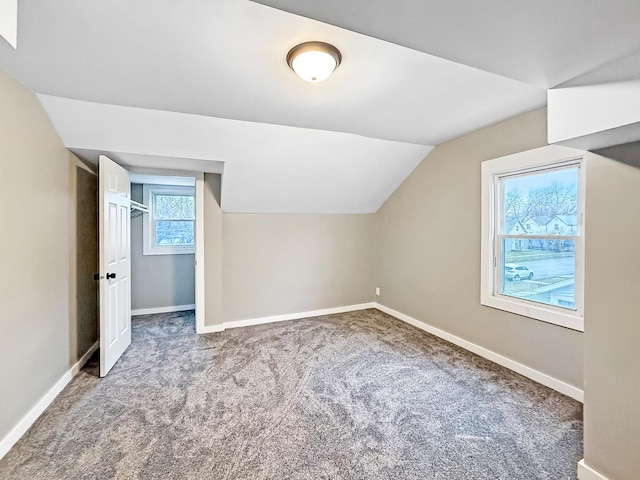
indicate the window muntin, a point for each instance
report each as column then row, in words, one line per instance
column 517, row 235
column 170, row 224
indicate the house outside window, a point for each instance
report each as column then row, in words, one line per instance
column 533, row 235
column 169, row 227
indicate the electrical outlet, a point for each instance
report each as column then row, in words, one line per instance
column 377, row 290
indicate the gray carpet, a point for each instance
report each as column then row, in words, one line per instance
column 351, row 396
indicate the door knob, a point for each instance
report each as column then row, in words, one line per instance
column 111, row 275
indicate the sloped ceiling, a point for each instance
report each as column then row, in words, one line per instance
column 203, row 85
column 267, row 168
column 542, row 43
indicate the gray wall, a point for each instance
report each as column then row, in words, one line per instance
column 213, row 250
column 45, row 324
column 612, row 318
column 428, row 247
column 281, row 263
column 158, row 280
column 428, row 251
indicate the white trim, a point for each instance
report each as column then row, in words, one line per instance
column 32, row 415
column 585, row 472
column 282, row 318
column 491, row 170
column 200, row 253
column 535, row 375
column 85, row 358
column 296, row 316
column 210, row 329
column 173, row 308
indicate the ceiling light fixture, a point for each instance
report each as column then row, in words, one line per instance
column 314, row 61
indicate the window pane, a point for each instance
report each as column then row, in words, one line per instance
column 175, row 233
column 174, row 207
column 541, row 203
column 539, row 270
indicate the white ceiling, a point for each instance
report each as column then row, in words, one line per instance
column 197, row 84
column 267, row 168
column 542, row 43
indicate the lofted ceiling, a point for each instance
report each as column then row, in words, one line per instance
column 203, row 85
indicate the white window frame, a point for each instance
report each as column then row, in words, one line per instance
column 520, row 163
column 149, row 246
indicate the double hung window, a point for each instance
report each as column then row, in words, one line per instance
column 170, row 226
column 533, row 231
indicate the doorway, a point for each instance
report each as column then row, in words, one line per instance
column 163, row 243
column 160, row 255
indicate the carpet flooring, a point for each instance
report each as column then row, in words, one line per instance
column 357, row 395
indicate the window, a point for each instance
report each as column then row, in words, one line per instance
column 533, row 235
column 170, row 225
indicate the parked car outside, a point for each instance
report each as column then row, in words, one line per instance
column 514, row 272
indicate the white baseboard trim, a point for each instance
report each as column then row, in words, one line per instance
column 151, row 311
column 32, row 415
column 296, row 316
column 84, row 359
column 529, row 372
column 210, row 329
column 585, row 472
column 282, row 318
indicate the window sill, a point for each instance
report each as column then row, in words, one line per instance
column 567, row 319
column 169, row 251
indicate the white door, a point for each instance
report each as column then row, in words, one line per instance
column 115, row 264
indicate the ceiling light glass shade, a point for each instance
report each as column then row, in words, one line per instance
column 314, row 61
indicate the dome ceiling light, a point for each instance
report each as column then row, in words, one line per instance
column 314, row 61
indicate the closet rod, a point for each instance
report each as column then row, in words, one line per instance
column 139, row 206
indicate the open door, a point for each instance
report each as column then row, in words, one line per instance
column 115, row 263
